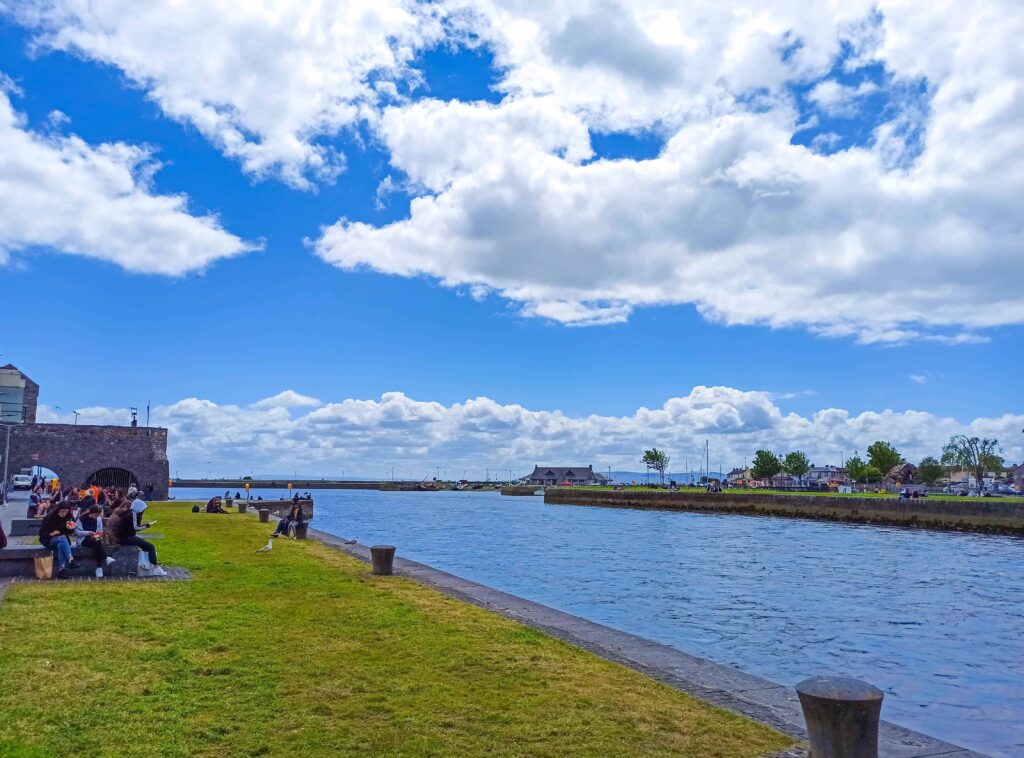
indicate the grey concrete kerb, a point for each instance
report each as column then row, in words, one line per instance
column 762, row 700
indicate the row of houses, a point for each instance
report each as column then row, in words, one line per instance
column 816, row 477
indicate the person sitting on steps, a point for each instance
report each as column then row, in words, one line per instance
column 89, row 532
column 54, row 534
column 125, row 531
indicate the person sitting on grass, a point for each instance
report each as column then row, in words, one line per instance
column 213, row 505
column 54, row 534
column 286, row 526
column 126, row 533
column 89, row 533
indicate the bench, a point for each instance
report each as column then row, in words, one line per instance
column 19, row 560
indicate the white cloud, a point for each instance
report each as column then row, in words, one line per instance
column 868, row 242
column 919, row 378
column 264, row 80
column 909, row 235
column 61, row 193
column 366, row 436
column 287, row 399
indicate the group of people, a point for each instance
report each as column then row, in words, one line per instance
column 96, row 518
column 286, row 526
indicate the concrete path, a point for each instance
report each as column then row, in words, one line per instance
column 759, row 699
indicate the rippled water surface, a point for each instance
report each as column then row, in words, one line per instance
column 934, row 619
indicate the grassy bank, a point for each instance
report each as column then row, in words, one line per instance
column 302, row 651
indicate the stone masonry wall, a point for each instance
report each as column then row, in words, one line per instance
column 75, row 452
column 973, row 514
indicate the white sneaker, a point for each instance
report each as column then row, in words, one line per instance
column 111, row 560
column 99, row 573
column 157, row 571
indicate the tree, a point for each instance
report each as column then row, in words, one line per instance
column 972, row 453
column 766, row 465
column 872, row 474
column 930, row 471
column 796, row 464
column 855, row 469
column 883, row 456
column 657, row 460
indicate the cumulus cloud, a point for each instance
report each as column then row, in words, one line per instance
column 265, row 81
column 910, row 235
column 366, row 436
column 62, row 193
column 287, row 399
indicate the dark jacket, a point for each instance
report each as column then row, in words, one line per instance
column 296, row 514
column 53, row 522
column 124, row 526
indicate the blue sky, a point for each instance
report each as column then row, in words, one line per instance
column 245, row 328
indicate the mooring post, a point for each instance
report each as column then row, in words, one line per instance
column 300, row 530
column 264, row 515
column 383, row 557
column 842, row 716
column 242, row 505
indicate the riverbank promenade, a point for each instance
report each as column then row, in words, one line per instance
column 302, row 650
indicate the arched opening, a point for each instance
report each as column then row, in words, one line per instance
column 117, row 478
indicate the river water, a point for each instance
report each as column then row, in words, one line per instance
column 934, row 619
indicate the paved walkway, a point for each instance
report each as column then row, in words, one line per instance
column 762, row 700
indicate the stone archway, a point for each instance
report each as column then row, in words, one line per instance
column 118, row 478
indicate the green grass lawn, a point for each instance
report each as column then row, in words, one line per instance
column 302, row 651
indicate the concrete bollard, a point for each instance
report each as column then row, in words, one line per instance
column 264, row 515
column 383, row 559
column 242, row 506
column 300, row 530
column 842, row 716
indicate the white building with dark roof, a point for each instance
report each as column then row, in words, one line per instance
column 572, row 475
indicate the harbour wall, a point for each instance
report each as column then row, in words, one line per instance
column 966, row 514
column 516, row 489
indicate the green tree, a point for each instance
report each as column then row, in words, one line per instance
column 930, row 471
column 796, row 464
column 872, row 474
column 766, row 465
column 883, row 456
column 975, row 454
column 657, row 460
column 855, row 469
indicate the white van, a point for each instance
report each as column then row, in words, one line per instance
column 21, row 482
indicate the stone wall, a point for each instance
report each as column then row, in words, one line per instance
column 75, row 452
column 520, row 490
column 990, row 515
column 31, row 400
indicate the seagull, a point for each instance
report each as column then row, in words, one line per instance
column 269, row 546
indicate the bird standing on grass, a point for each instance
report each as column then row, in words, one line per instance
column 266, row 548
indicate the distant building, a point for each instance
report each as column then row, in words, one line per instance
column 555, row 475
column 19, row 396
column 1018, row 477
column 79, row 454
column 826, row 474
column 737, row 475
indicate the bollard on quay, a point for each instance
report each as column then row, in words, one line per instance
column 242, row 506
column 842, row 716
column 383, row 557
column 264, row 515
column 300, row 530
column 229, row 501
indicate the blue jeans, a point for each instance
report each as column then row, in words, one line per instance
column 61, row 548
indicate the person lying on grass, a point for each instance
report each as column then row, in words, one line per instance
column 54, row 534
column 126, row 534
column 287, row 525
column 89, row 533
